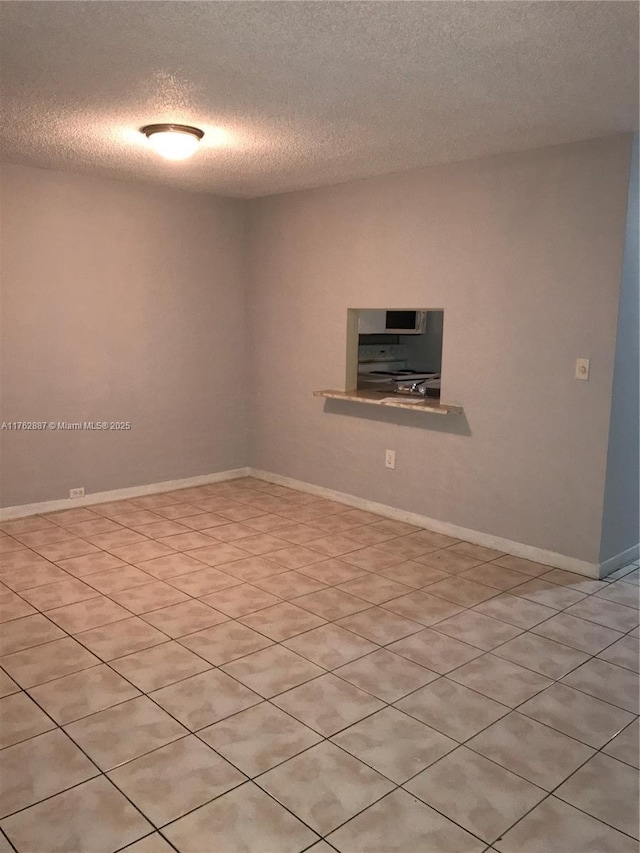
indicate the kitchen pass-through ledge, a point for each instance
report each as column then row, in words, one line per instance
column 376, row 398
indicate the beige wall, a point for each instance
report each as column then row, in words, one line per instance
column 621, row 514
column 119, row 302
column 523, row 252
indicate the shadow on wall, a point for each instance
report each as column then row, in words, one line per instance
column 453, row 424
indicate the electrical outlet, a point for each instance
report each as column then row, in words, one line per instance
column 389, row 459
column 582, row 368
column 76, row 493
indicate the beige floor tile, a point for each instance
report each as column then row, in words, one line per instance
column 375, row 588
column 295, row 556
column 385, row 675
column 554, row 825
column 281, row 621
column 47, row 536
column 332, row 571
column 516, row 611
column 58, row 594
column 532, row 750
column 178, row 620
column 162, row 529
column 550, row 594
column 204, row 699
column 26, row 525
column 492, row 575
column 148, row 550
column 500, row 679
column 44, row 663
column 259, row 738
column 408, row 547
column 273, row 670
column 396, row 528
column 526, row 567
column 327, row 704
column 7, row 685
column 452, row 709
column 82, row 693
column 477, row 630
column 324, row 786
column 334, row 545
column 422, row 607
column 27, row 632
column 66, row 549
column 624, row 652
column 149, row 596
column 448, row 561
column 90, row 563
column 84, row 615
column 298, row 534
column 241, row 821
column 124, row 732
column 219, row 554
column 400, row 823
column 625, row 746
column 203, row 582
column 175, row 779
column 13, row 607
column 413, row 574
column 372, row 559
column 224, row 531
column 159, row 666
column 240, row 600
column 576, row 714
column 577, row 582
column 476, row 793
column 38, row 768
column 36, row 574
column 269, row 523
column 478, row 552
column 462, row 591
column 20, row 719
column 330, row 646
column 188, row 541
column 114, row 580
column 606, row 681
column 153, row 843
column 171, row 566
column 226, row 642
column 607, row 790
column 332, row 603
column 94, row 816
column 541, row 655
column 20, row 560
column 606, row 613
column 289, row 585
column 379, row 625
column 100, row 525
column 121, row 638
column 394, row 744
column 435, row 651
column 577, row 633
column 621, row 592
column 262, row 543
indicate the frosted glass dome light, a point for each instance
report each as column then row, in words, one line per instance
column 173, row 141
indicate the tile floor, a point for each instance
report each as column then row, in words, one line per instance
column 243, row 668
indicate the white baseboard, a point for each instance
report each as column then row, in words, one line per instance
column 120, row 494
column 516, row 549
column 619, row 560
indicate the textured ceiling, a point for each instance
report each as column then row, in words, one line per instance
column 302, row 94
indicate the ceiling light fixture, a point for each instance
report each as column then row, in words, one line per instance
column 173, row 141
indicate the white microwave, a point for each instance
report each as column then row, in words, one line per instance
column 392, row 322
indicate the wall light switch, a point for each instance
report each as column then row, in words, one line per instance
column 582, row 368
